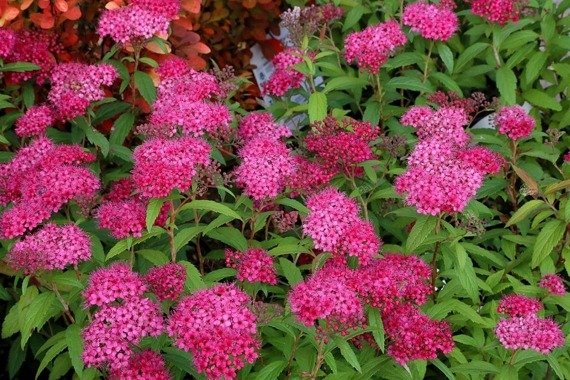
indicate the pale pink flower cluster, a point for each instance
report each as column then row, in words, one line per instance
column 498, row 11
column 39, row 180
column 144, row 365
column 414, row 336
column 342, row 146
column 167, row 281
column 554, row 284
column 216, row 326
column 514, row 122
column 432, row 22
column 285, row 76
column 443, row 172
column 51, row 247
column 140, row 20
column 523, row 329
column 162, row 165
column 334, row 225
column 31, row 46
column 35, row 121
column 117, row 326
column 261, row 124
column 266, row 164
column 395, row 285
column 252, row 265
column 372, row 47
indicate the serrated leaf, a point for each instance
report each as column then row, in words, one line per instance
column 352, row 17
column 74, row 343
column 534, row 65
column 344, row 83
column 507, row 85
column 317, row 106
column 207, row 205
column 38, row 312
column 375, row 323
column 184, row 236
column 303, row 210
column 145, row 85
column 11, row 323
column 424, row 227
column 152, row 211
column 291, row 272
column 19, row 67
column 547, row 239
column 53, row 351
column 194, row 279
column 271, row 371
column 230, row 236
column 408, row 83
column 121, row 128
column 525, row 211
column 469, row 54
column 542, row 99
column 117, row 249
column 446, row 56
column 16, row 358
column 347, row 353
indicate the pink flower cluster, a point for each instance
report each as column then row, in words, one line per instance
column 342, row 146
column 514, row 122
column 39, row 180
column 553, row 284
column 143, row 365
column 285, row 76
column 266, row 164
column 217, row 327
column 123, row 212
column 334, row 225
column 443, row 173
column 31, row 46
column 523, row 329
column 327, row 295
column 432, row 22
column 51, row 247
column 261, row 124
column 186, row 100
column 117, row 326
column 395, row 284
column 167, row 281
column 498, row 11
column 252, row 265
column 162, row 165
column 372, row 47
column 35, row 121
column 75, row 85
column 140, row 20
column 309, row 177
column 414, row 335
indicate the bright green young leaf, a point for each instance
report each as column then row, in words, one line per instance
column 290, row 271
column 547, row 239
column 145, row 85
column 152, row 211
column 507, row 85
column 317, row 106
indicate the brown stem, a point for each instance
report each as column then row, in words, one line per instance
column 319, row 361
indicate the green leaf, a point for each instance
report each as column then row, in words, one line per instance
column 53, row 351
column 74, row 343
column 446, row 56
column 375, row 323
column 444, row 369
column 117, row 249
column 121, row 128
column 542, row 99
column 145, row 85
column 547, row 239
column 303, row 210
column 291, row 272
column 207, row 205
column 408, row 83
column 526, row 211
column 194, row 280
column 37, row 313
column 344, row 83
column 469, row 54
column 352, row 17
column 229, row 235
column 271, row 371
column 317, row 106
column 153, row 256
column 19, row 67
column 424, row 227
column 184, row 236
column 507, row 85
column 152, row 211
column 16, row 358
column 534, row 65
column 347, row 353
column 11, row 324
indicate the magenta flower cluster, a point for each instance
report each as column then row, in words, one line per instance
column 444, row 172
column 514, row 122
column 433, row 22
column 285, row 76
column 498, row 11
column 252, row 265
column 217, row 327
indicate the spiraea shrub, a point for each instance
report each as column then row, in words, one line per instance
column 399, row 210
